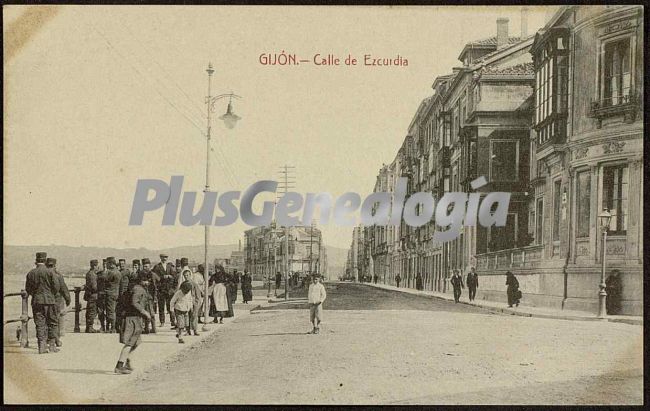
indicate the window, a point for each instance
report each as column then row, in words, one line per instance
column 615, row 189
column 617, row 73
column 504, row 160
column 503, row 238
column 583, row 205
column 557, row 203
column 539, row 221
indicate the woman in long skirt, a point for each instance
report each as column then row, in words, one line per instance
column 247, row 287
column 220, row 298
column 513, row 292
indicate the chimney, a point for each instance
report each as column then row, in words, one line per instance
column 524, row 22
column 502, row 32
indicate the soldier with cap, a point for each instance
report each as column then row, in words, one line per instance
column 167, row 287
column 151, row 288
column 112, row 279
column 42, row 284
column 125, row 280
column 101, row 296
column 62, row 299
column 90, row 296
column 134, row 312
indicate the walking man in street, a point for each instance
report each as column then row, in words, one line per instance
column 278, row 282
column 457, row 283
column 472, row 283
column 135, row 311
column 316, row 296
column 167, row 287
column 62, row 300
column 90, row 296
column 43, row 286
column 398, row 279
column 112, row 279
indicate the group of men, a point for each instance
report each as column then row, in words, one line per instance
column 106, row 290
column 50, row 299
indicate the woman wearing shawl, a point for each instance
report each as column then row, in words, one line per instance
column 219, row 293
column 247, row 287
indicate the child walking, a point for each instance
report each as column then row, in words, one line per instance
column 316, row 296
column 182, row 302
column 131, row 327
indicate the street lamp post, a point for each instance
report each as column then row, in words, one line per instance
column 605, row 217
column 229, row 119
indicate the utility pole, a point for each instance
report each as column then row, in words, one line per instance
column 287, row 183
column 311, row 236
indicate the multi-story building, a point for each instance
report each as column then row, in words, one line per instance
column 556, row 120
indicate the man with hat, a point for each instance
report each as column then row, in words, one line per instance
column 125, row 279
column 134, row 311
column 112, row 279
column 43, row 286
column 90, row 296
column 62, row 299
column 316, row 296
column 151, row 288
column 101, row 296
column 167, row 287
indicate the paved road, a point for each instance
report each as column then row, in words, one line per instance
column 379, row 347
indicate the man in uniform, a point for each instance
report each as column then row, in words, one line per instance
column 167, row 287
column 112, row 279
column 151, row 287
column 62, row 299
column 90, row 296
column 43, row 286
column 101, row 297
column 125, row 279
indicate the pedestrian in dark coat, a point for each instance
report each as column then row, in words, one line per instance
column 418, row 282
column 398, row 279
column 457, row 283
column 90, row 296
column 112, row 289
column 152, row 290
column 472, row 283
column 514, row 295
column 168, row 280
column 62, row 300
column 101, row 297
column 614, row 289
column 247, row 287
column 131, row 328
column 41, row 283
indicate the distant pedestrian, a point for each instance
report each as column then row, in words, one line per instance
column 315, row 297
column 151, row 288
column 614, row 289
column 90, row 296
column 278, row 282
column 219, row 308
column 457, row 283
column 112, row 279
column 472, row 283
column 127, row 282
column 62, row 300
column 398, row 278
column 418, row 282
column 182, row 302
column 42, row 284
column 247, row 287
column 168, row 279
column 131, row 328
column 101, row 297
column 514, row 295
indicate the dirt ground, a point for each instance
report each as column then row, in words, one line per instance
column 382, row 347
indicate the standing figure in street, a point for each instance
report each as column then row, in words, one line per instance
column 614, row 289
column 101, row 297
column 219, row 307
column 151, row 288
column 90, row 296
column 398, row 278
column 472, row 283
column 166, row 288
column 182, row 302
column 247, row 287
column 316, row 296
column 457, row 283
column 42, row 284
column 199, row 279
column 418, row 282
column 112, row 279
column 125, row 279
column 514, row 295
column 131, row 328
column 62, row 300
column 197, row 297
column 278, row 282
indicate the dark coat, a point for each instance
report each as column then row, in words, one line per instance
column 135, row 305
column 168, row 278
column 457, row 281
column 90, row 291
column 112, row 279
column 472, row 280
column 43, row 285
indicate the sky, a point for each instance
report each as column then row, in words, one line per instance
column 97, row 97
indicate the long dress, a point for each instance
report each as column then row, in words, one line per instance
column 247, row 288
column 220, row 300
column 513, row 289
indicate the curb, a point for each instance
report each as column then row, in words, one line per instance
column 631, row 321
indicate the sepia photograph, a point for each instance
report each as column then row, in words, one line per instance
column 323, row 205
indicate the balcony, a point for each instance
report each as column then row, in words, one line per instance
column 523, row 257
column 626, row 106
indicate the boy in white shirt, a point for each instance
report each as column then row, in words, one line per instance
column 182, row 302
column 316, row 296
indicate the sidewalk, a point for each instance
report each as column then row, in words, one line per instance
column 82, row 372
column 523, row 311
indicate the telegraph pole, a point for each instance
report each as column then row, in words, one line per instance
column 287, row 183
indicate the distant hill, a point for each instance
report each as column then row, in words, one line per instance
column 75, row 260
